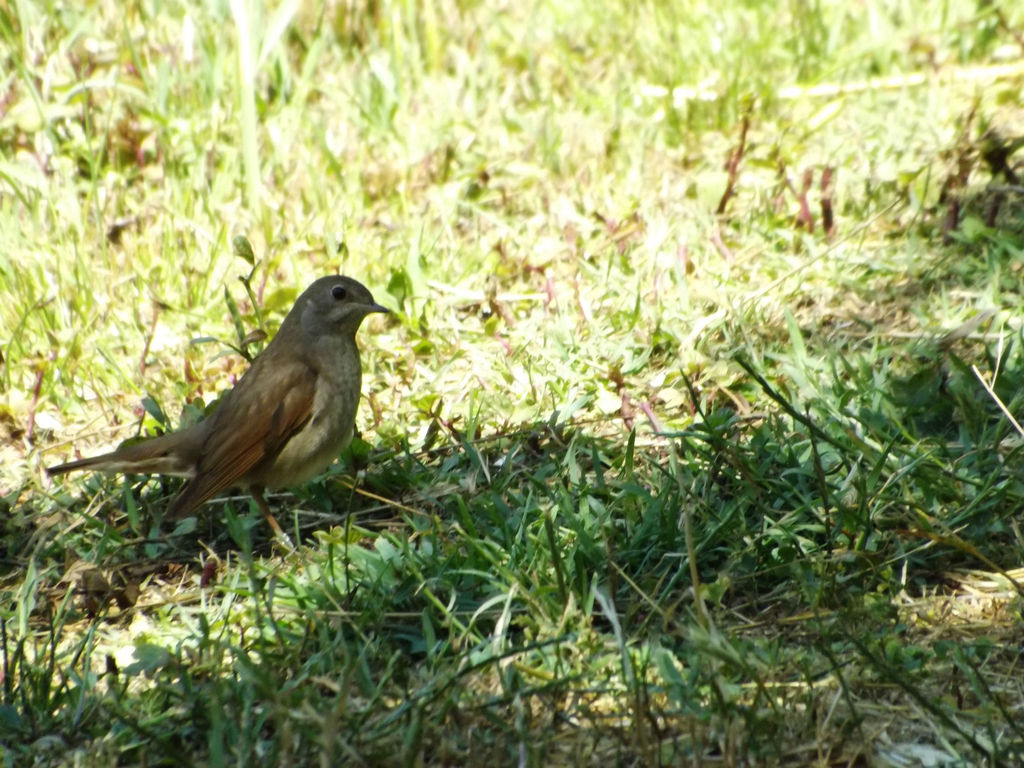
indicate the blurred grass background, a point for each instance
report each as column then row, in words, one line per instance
column 690, row 441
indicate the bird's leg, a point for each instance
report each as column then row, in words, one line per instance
column 257, row 495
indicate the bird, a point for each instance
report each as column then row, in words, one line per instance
column 286, row 419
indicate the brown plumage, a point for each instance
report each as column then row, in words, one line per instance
column 284, row 422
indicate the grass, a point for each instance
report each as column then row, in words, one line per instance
column 690, row 440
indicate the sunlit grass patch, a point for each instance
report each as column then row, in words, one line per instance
column 690, row 437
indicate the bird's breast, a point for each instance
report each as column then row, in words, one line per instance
column 330, row 426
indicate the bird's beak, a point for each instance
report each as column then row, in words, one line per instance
column 377, row 308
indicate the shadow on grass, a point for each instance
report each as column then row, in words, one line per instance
column 531, row 594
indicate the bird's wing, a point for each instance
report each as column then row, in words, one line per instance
column 259, row 417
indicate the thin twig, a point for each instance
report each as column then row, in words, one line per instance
column 995, row 397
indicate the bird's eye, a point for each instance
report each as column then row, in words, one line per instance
column 339, row 292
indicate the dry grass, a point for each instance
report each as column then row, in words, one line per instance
column 674, row 450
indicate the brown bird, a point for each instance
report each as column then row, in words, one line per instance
column 285, row 421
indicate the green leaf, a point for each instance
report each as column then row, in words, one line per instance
column 236, row 317
column 152, row 407
column 243, row 249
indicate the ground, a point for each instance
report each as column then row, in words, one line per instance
column 692, row 437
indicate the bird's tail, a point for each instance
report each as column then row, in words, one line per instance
column 155, row 456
